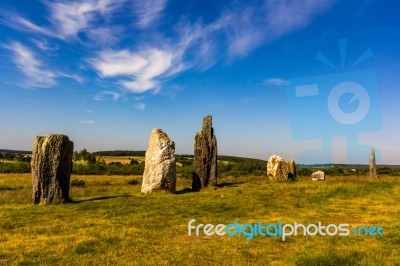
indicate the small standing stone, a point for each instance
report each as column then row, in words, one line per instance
column 317, row 176
column 160, row 166
column 51, row 169
column 205, row 156
column 372, row 164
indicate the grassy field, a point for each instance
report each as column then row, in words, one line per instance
column 121, row 159
column 111, row 222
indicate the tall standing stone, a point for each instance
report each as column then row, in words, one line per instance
column 205, row 156
column 51, row 169
column 372, row 164
column 292, row 170
column 160, row 166
column 277, row 168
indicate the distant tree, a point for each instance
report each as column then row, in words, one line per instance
column 133, row 162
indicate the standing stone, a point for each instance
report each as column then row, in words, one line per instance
column 205, row 156
column 317, row 176
column 372, row 164
column 51, row 169
column 277, row 168
column 292, row 170
column 160, row 166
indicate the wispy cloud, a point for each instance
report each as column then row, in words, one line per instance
column 142, row 70
column 45, row 46
column 75, row 77
column 31, row 66
column 86, row 122
column 108, row 94
column 278, row 82
column 154, row 56
column 15, row 21
column 148, row 12
column 140, row 106
column 70, row 18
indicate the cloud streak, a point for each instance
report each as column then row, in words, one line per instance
column 148, row 12
column 32, row 67
column 86, row 122
column 102, row 96
column 140, row 71
column 277, row 82
column 149, row 56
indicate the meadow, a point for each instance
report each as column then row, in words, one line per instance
column 111, row 222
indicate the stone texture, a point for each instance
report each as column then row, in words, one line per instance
column 372, row 164
column 51, row 169
column 205, row 156
column 277, row 168
column 318, row 175
column 160, row 166
column 292, row 170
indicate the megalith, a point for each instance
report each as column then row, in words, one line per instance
column 292, row 170
column 51, row 169
column 205, row 156
column 277, row 168
column 160, row 166
column 318, row 176
column 372, row 164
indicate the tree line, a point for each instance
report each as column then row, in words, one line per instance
column 87, row 163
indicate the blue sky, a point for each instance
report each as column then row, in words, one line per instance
column 105, row 72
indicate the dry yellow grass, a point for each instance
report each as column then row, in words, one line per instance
column 112, row 223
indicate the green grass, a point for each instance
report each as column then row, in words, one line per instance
column 121, row 159
column 111, row 222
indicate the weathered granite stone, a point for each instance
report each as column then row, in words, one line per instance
column 277, row 168
column 372, row 164
column 160, row 166
column 51, row 169
column 318, row 175
column 205, row 156
column 292, row 170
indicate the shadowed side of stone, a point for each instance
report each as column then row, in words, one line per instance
column 292, row 170
column 160, row 166
column 51, row 169
column 205, row 156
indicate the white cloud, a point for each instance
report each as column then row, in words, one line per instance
column 45, row 46
column 32, row 67
column 70, row 18
column 143, row 69
column 278, row 82
column 148, row 12
column 107, row 94
column 139, row 106
column 285, row 16
column 86, row 122
column 75, row 77
column 15, row 21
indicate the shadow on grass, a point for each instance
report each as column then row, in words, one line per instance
column 221, row 185
column 230, row 184
column 184, row 191
column 98, row 198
